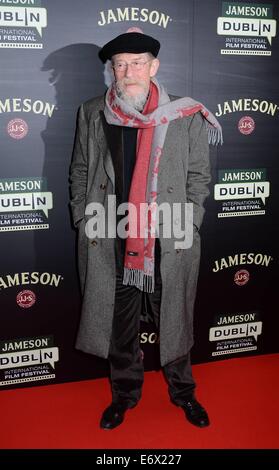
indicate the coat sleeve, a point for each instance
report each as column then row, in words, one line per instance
column 78, row 168
column 198, row 176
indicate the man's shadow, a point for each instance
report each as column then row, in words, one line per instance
column 76, row 73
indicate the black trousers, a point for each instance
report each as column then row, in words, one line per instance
column 126, row 364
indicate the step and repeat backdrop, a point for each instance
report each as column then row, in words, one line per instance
column 224, row 54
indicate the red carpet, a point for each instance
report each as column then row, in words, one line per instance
column 240, row 395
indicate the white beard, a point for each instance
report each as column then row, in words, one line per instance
column 137, row 102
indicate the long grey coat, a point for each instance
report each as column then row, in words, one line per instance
column 183, row 177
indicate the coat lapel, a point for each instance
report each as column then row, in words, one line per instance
column 114, row 138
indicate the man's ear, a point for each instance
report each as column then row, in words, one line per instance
column 154, row 67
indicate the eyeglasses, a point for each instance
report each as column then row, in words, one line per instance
column 135, row 65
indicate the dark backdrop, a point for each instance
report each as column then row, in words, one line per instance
column 49, row 66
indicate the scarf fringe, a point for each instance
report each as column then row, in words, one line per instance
column 215, row 135
column 136, row 277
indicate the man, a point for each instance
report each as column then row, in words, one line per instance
column 143, row 147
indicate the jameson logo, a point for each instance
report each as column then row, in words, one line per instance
column 24, row 204
column 245, row 104
column 27, row 359
column 257, row 259
column 25, row 344
column 26, row 278
column 234, row 333
column 241, row 192
column 248, row 27
column 247, row 10
column 22, row 23
column 26, row 105
column 134, row 14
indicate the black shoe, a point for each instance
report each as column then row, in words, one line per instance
column 195, row 413
column 113, row 416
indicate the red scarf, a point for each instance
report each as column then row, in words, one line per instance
column 135, row 247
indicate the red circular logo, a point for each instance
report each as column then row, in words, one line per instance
column 25, row 298
column 241, row 277
column 246, row 125
column 17, row 128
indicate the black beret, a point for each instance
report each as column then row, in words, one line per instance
column 129, row 42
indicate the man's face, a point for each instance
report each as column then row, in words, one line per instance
column 134, row 80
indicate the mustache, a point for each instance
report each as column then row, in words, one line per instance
column 131, row 81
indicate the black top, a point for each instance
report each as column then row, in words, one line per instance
column 129, row 160
column 129, row 150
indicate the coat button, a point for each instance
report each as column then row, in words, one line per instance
column 103, row 186
column 170, row 189
column 94, row 243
